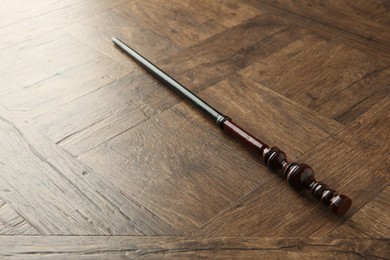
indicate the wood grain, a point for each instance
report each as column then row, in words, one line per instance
column 315, row 88
column 97, row 247
column 97, row 118
column 370, row 131
column 11, row 223
column 206, row 63
column 99, row 160
column 371, row 221
column 65, row 200
column 46, row 18
column 347, row 105
column 184, row 187
column 186, row 23
column 63, row 84
column 369, row 20
column 344, row 22
column 97, row 31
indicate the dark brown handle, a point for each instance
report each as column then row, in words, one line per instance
column 299, row 176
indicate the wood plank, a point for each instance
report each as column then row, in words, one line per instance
column 186, row 23
column 373, row 220
column 53, row 55
column 306, row 72
column 371, row 131
column 367, row 19
column 176, row 175
column 98, row 30
column 98, row 120
column 30, row 24
column 15, row 11
column 347, row 106
column 57, row 194
column 59, row 86
column 114, row 247
column 11, row 223
column 204, row 64
column 185, row 170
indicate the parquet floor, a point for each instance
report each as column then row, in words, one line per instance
column 98, row 160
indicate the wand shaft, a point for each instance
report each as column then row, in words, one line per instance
column 166, row 79
column 299, row 176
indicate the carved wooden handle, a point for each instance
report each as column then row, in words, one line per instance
column 299, row 176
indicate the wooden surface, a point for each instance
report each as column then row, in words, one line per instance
column 99, row 160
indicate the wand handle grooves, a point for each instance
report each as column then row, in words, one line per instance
column 299, row 176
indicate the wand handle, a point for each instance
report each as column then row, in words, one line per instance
column 299, row 176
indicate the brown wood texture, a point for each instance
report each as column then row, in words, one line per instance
column 99, row 160
column 119, row 247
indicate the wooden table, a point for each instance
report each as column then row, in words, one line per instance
column 99, row 160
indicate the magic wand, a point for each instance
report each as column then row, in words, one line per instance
column 299, row 176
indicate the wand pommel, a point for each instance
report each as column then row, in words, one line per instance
column 301, row 177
